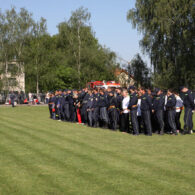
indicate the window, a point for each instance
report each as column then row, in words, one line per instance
column 12, row 68
column 12, row 81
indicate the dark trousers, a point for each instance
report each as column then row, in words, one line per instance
column 50, row 110
column 188, row 123
column 61, row 109
column 12, row 102
column 66, row 112
column 124, row 123
column 171, row 120
column 134, row 121
column 96, row 116
column 154, row 122
column 177, row 120
column 147, row 121
column 84, row 114
column 140, row 123
column 72, row 113
column 159, row 115
column 90, row 118
column 113, row 118
column 104, row 119
column 57, row 113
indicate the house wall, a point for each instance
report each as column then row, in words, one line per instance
column 9, row 79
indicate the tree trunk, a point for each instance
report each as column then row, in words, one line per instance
column 79, row 57
column 37, row 78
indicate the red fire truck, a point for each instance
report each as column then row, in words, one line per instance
column 102, row 84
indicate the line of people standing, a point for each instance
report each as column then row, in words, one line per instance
column 130, row 110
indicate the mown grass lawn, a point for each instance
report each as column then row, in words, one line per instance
column 42, row 156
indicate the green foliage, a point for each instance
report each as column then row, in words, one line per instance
column 68, row 59
column 88, row 59
column 168, row 37
column 141, row 73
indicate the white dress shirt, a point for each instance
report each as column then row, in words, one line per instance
column 139, row 107
column 125, row 104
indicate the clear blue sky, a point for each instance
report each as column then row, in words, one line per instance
column 108, row 19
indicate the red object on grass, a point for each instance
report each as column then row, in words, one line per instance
column 79, row 115
column 9, row 101
column 25, row 101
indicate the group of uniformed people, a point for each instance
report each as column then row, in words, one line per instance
column 129, row 110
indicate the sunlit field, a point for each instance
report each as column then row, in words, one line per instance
column 42, row 156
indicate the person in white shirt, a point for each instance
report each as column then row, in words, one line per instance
column 124, row 123
column 178, row 108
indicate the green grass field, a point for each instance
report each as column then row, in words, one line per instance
column 42, row 156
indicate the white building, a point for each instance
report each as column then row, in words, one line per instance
column 12, row 77
column 123, row 77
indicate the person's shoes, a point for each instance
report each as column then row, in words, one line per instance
column 191, row 132
column 161, row 132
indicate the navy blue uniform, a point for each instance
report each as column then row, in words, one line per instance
column 12, row 97
column 51, row 105
column 188, row 102
column 71, row 107
column 84, row 107
column 112, row 112
column 170, row 107
column 146, row 107
column 66, row 108
column 96, row 109
column 57, row 107
column 158, row 107
column 103, row 104
column 133, row 111
column 90, row 110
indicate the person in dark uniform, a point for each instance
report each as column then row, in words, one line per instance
column 96, row 107
column 90, row 108
column 20, row 101
column 103, row 105
column 170, row 107
column 133, row 110
column 66, row 106
column 112, row 111
column 84, row 99
column 12, row 98
column 146, row 107
column 188, row 102
column 71, row 106
column 56, row 105
column 51, row 105
column 62, row 111
column 60, row 106
column 158, row 110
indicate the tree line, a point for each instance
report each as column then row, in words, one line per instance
column 73, row 56
column 68, row 59
column 168, row 30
